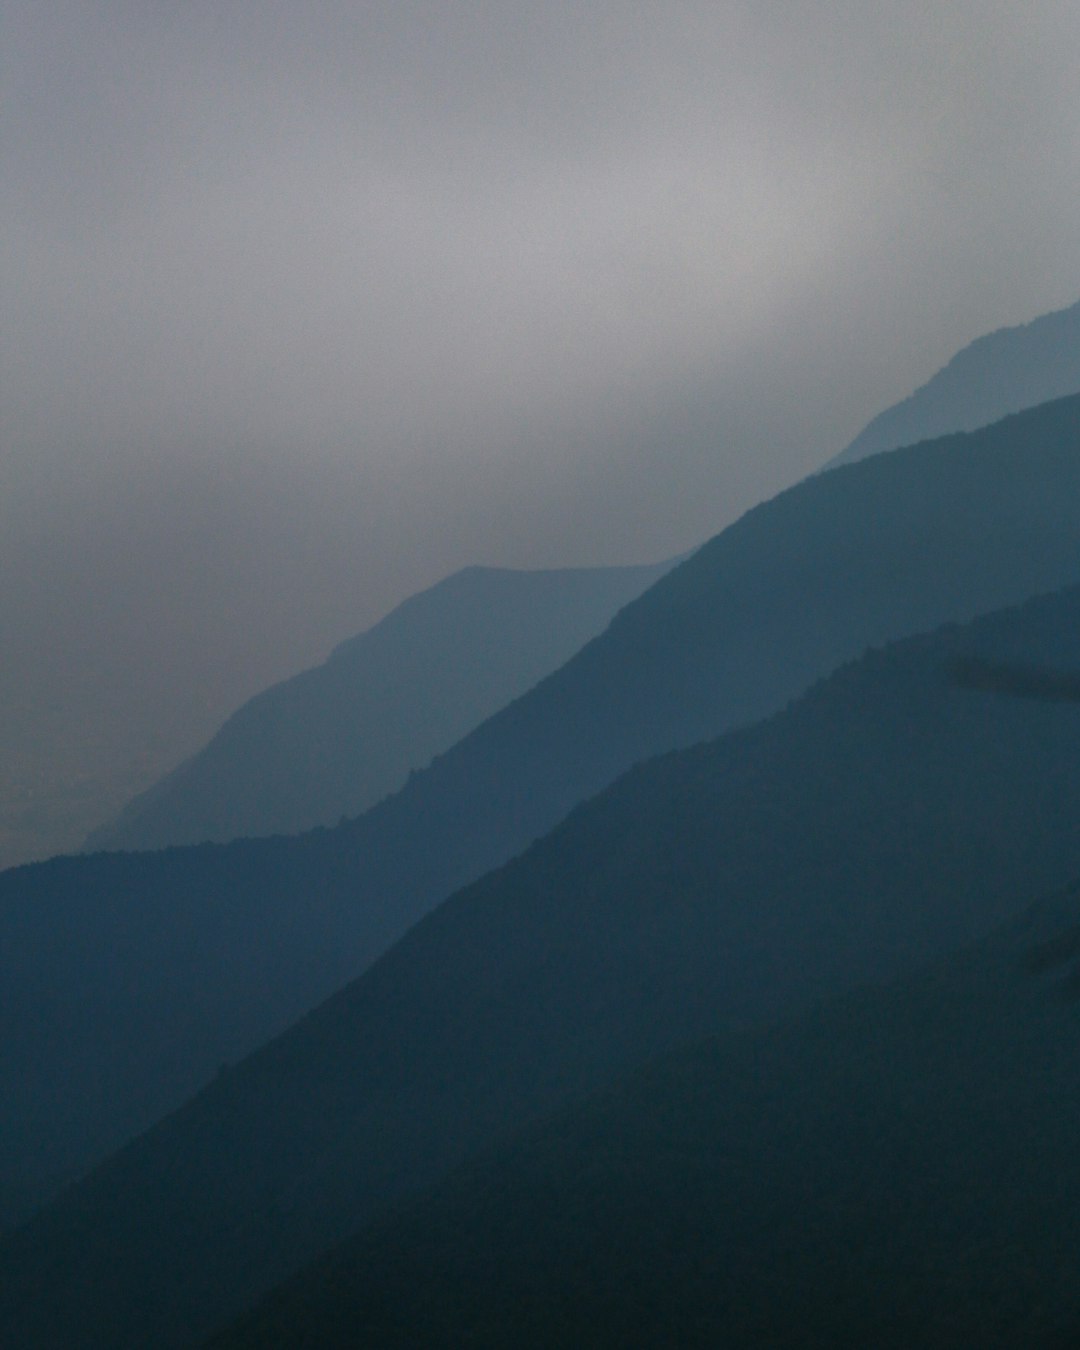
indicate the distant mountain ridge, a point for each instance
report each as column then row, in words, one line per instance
column 881, row 820
column 1000, row 373
column 334, row 740
column 126, row 980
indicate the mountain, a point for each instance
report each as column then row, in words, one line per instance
column 335, row 740
column 127, row 980
column 1000, row 373
column 897, row 1168
column 886, row 817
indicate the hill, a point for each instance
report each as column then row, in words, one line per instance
column 897, row 1168
column 998, row 374
column 127, row 980
column 334, row 740
column 889, row 815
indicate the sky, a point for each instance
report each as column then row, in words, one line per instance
column 305, row 306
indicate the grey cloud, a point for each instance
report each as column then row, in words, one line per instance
column 350, row 220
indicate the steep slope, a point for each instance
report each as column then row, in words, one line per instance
column 998, row 374
column 125, row 981
column 896, row 1169
column 887, row 816
column 335, row 740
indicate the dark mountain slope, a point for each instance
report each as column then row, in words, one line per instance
column 889, row 814
column 99, row 956
column 896, row 1169
column 998, row 374
column 335, row 740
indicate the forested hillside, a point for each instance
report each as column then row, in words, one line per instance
column 898, row 1168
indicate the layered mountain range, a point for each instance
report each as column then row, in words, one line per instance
column 889, row 815
column 334, row 740
column 129, row 979
column 719, row 987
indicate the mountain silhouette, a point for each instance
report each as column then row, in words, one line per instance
column 127, row 980
column 896, row 1168
column 881, row 820
column 334, row 740
column 1000, row 373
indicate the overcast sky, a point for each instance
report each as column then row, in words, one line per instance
column 305, row 305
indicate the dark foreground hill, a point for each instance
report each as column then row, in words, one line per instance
column 126, row 980
column 333, row 741
column 899, row 1168
column 998, row 374
column 889, row 815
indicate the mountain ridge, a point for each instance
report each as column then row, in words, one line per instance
column 332, row 741
column 993, row 376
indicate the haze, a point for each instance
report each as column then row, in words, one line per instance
column 305, row 307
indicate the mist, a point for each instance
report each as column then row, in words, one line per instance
column 305, row 309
